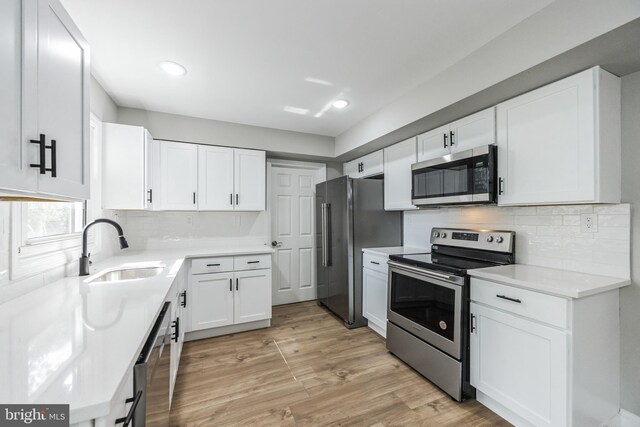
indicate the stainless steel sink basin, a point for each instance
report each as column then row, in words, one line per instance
column 127, row 274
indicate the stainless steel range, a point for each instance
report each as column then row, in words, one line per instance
column 428, row 311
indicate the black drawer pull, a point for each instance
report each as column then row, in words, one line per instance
column 127, row 420
column 41, row 153
column 253, row 262
column 213, row 265
column 374, row 262
column 184, row 298
column 54, row 159
column 509, row 299
column 176, row 332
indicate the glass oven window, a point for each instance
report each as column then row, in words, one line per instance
column 425, row 303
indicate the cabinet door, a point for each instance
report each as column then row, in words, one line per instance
column 250, row 180
column 15, row 173
column 372, row 164
column 352, row 169
column 434, row 143
column 178, row 172
column 215, row 178
column 211, row 300
column 374, row 297
column 252, row 298
column 397, row 175
column 473, row 131
column 521, row 364
column 63, row 102
column 546, row 147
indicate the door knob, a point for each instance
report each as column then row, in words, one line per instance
column 276, row 244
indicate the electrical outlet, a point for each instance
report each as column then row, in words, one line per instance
column 589, row 223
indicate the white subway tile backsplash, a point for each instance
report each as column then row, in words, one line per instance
column 548, row 236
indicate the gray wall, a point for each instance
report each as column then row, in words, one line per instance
column 214, row 132
column 101, row 103
column 630, row 296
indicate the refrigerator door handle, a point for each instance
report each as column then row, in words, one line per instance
column 323, row 236
column 328, row 234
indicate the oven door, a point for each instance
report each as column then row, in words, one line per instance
column 428, row 305
column 460, row 178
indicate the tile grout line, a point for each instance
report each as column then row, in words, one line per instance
column 285, row 360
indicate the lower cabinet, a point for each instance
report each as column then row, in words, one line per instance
column 230, row 297
column 544, row 360
column 375, row 292
column 179, row 299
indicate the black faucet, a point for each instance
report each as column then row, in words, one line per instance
column 84, row 259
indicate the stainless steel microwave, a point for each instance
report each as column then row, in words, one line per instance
column 462, row 178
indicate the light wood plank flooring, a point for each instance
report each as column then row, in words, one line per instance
column 309, row 370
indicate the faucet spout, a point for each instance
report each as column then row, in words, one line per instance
column 85, row 262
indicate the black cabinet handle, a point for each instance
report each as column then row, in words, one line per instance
column 500, row 186
column 451, row 134
column 445, row 140
column 176, row 332
column 230, row 285
column 194, row 197
column 237, row 280
column 237, row 199
column 184, row 298
column 231, row 199
column 54, row 159
column 253, row 262
column 509, row 298
column 41, row 153
column 473, row 322
column 213, row 265
column 374, row 262
column 150, row 199
column 127, row 420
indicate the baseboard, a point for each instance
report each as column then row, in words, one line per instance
column 226, row 330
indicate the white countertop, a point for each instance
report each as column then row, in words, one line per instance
column 563, row 283
column 74, row 342
column 395, row 250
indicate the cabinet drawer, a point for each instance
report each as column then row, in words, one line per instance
column 375, row 263
column 211, row 265
column 251, row 262
column 537, row 306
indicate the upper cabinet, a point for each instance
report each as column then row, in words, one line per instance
column 561, row 143
column 128, row 166
column 178, row 176
column 231, row 179
column 397, row 175
column 44, row 126
column 469, row 132
column 365, row 166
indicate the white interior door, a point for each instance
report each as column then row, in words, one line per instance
column 292, row 207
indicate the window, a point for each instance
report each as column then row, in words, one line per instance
column 52, row 220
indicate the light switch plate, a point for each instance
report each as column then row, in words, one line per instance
column 589, row 223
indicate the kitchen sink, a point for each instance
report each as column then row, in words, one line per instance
column 127, row 274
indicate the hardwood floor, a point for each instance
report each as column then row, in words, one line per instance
column 309, row 370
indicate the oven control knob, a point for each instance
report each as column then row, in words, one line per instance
column 490, row 239
column 443, row 234
column 499, row 239
column 436, row 234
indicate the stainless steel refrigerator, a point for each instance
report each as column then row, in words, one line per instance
column 350, row 216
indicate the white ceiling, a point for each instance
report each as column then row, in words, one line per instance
column 249, row 59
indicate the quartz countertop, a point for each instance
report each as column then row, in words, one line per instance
column 75, row 342
column 394, row 250
column 562, row 283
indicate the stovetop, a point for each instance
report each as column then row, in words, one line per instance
column 440, row 262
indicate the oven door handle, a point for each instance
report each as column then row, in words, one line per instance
column 419, row 271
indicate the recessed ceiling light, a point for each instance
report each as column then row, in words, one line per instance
column 173, row 68
column 296, row 110
column 340, row 104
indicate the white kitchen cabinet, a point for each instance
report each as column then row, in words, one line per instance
column 212, row 296
column 365, row 166
column 533, row 359
column 179, row 297
column 520, row 363
column 128, row 167
column 239, row 292
column 397, row 174
column 464, row 134
column 47, row 101
column 215, row 178
column 434, row 143
column 374, row 300
column 250, row 180
column 178, row 175
column 252, row 299
column 561, row 143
